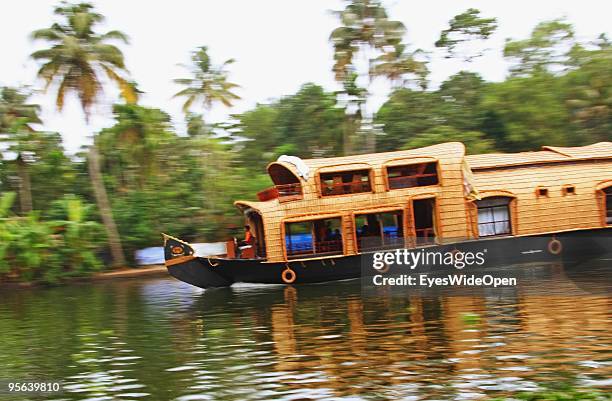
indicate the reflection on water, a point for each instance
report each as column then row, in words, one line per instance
column 160, row 339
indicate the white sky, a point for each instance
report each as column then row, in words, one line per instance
column 278, row 45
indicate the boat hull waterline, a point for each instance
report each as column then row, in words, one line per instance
column 210, row 272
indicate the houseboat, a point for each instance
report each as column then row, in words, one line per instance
column 324, row 217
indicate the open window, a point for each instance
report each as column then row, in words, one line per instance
column 321, row 237
column 286, row 185
column 412, row 175
column 494, row 216
column 380, row 230
column 423, row 216
column 345, row 182
column 608, row 204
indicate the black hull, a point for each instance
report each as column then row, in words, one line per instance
column 577, row 246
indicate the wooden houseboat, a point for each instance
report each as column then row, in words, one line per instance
column 324, row 215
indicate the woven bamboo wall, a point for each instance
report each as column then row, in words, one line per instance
column 557, row 211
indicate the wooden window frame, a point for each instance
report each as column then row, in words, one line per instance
column 311, row 218
column 565, row 189
column 511, row 216
column 602, row 201
column 546, row 194
column 360, row 212
column 319, row 182
column 436, row 220
column 385, row 173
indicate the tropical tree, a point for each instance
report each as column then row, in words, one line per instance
column 406, row 114
column 16, row 119
column 133, row 147
column 76, row 62
column 546, row 50
column 208, row 84
column 466, row 27
column 306, row 124
column 366, row 32
column 589, row 94
column 474, row 141
column 14, row 107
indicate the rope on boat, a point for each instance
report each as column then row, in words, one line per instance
column 211, row 263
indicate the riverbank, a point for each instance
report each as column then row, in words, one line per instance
column 130, row 272
column 121, row 273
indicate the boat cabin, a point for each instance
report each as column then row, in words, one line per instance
column 326, row 208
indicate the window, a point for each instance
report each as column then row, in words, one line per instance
column 412, row 175
column 380, row 230
column 345, row 182
column 314, row 238
column 541, row 192
column 568, row 190
column 494, row 216
column 608, row 204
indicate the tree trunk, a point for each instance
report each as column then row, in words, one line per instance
column 370, row 140
column 25, row 187
column 347, row 135
column 114, row 241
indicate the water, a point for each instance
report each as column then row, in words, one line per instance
column 159, row 339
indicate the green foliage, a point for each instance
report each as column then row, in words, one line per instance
column 78, row 55
column 35, row 250
column 474, row 141
column 560, row 392
column 544, row 51
column 531, row 112
column 364, row 24
column 81, row 237
column 464, row 27
column 208, row 84
column 14, row 108
column 307, row 124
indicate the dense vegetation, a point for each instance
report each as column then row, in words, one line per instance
column 64, row 215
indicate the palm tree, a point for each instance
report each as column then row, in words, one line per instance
column 365, row 31
column 132, row 146
column 16, row 117
column 76, row 62
column 209, row 84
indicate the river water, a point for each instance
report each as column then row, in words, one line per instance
column 160, row 339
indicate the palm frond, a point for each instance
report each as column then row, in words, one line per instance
column 118, row 35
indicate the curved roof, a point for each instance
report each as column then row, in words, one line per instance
column 548, row 154
column 440, row 151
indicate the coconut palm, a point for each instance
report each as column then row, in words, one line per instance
column 365, row 30
column 208, row 85
column 16, row 117
column 79, row 61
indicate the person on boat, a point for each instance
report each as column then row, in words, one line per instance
column 247, row 242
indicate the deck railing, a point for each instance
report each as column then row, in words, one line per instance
column 321, row 248
column 425, row 236
column 371, row 243
column 409, row 181
column 343, row 188
column 283, row 192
